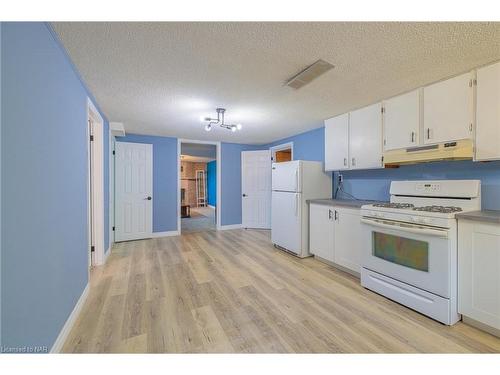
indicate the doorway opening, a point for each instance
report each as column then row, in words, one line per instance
column 95, row 185
column 198, row 186
column 282, row 153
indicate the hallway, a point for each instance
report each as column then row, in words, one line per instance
column 202, row 219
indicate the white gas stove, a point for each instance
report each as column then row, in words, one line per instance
column 410, row 251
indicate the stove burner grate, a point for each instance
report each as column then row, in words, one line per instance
column 393, row 205
column 440, row 209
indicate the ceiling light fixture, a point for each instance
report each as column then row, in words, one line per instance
column 220, row 121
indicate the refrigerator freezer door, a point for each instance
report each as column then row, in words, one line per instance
column 287, row 176
column 286, row 229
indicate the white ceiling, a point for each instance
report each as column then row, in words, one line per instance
column 159, row 78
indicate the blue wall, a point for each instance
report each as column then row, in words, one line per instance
column 164, row 179
column 231, row 181
column 212, row 183
column 306, row 146
column 44, row 185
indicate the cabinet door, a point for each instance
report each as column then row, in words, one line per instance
column 479, row 272
column 448, row 110
column 488, row 113
column 401, row 121
column 337, row 143
column 321, row 231
column 348, row 239
column 365, row 137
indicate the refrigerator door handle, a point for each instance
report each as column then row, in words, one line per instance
column 296, row 204
column 296, row 180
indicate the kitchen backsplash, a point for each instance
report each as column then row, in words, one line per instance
column 374, row 184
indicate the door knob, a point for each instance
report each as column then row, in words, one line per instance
column 244, row 195
column 149, row 198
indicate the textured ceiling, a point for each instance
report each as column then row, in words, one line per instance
column 159, row 78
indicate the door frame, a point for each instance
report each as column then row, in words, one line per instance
column 270, row 188
column 218, row 164
column 111, row 189
column 280, row 147
column 95, row 193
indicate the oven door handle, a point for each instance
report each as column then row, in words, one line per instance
column 408, row 229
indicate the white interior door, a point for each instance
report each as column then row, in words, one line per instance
column 256, row 189
column 134, row 191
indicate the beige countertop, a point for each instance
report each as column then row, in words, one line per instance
column 342, row 202
column 489, row 216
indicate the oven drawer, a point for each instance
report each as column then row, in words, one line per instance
column 434, row 306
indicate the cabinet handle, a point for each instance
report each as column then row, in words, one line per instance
column 336, row 215
column 330, row 214
column 353, row 161
column 345, row 162
column 428, row 133
column 412, row 137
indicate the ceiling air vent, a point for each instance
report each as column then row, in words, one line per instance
column 308, row 74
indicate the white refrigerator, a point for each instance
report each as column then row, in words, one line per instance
column 293, row 183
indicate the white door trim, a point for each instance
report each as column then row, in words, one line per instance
column 97, row 201
column 180, row 141
column 280, row 147
column 111, row 190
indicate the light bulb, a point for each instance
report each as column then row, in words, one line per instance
column 233, row 128
column 208, row 127
column 238, row 126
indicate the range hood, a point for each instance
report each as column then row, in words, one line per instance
column 457, row 150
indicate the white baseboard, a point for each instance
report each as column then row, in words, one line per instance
column 165, row 234
column 229, row 227
column 66, row 329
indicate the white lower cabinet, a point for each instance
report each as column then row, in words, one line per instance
column 479, row 272
column 348, row 239
column 321, row 231
column 334, row 235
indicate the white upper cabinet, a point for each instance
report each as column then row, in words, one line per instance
column 488, row 113
column 402, row 121
column 448, row 110
column 337, row 143
column 365, row 137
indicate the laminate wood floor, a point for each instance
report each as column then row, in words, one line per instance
column 232, row 291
